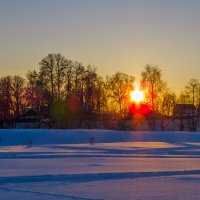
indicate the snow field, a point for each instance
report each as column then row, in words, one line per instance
column 62, row 164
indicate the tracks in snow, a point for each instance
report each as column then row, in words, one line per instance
column 93, row 177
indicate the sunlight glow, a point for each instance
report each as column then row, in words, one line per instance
column 137, row 96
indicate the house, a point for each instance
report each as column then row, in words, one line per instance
column 30, row 118
column 184, row 111
column 185, row 116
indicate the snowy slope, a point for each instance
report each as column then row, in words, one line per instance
column 62, row 164
column 42, row 136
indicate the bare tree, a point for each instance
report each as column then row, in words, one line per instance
column 69, row 79
column 100, row 95
column 153, row 85
column 198, row 96
column 152, row 82
column 79, row 73
column 47, row 68
column 6, row 102
column 61, row 64
column 119, row 90
column 35, row 91
column 184, row 98
column 52, row 78
column 191, row 90
column 18, row 94
column 90, row 79
column 32, row 77
column 168, row 103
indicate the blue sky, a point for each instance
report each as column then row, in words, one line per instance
column 112, row 35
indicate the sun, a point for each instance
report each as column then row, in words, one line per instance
column 137, row 96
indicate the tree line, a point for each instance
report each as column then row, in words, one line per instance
column 68, row 88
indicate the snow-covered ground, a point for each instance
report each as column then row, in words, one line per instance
column 62, row 164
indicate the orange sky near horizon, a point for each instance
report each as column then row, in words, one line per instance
column 111, row 35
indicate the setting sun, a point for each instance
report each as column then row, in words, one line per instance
column 137, row 96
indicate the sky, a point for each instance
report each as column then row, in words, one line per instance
column 112, row 35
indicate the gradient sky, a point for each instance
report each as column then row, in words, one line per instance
column 113, row 35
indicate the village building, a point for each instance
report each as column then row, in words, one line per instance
column 185, row 116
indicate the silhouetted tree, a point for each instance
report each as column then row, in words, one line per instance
column 183, row 98
column 90, row 87
column 153, row 85
column 61, row 64
column 69, row 79
column 31, row 92
column 47, row 73
column 100, row 95
column 6, row 101
column 152, row 82
column 79, row 73
column 119, row 86
column 52, row 75
column 18, row 94
column 191, row 90
column 168, row 103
